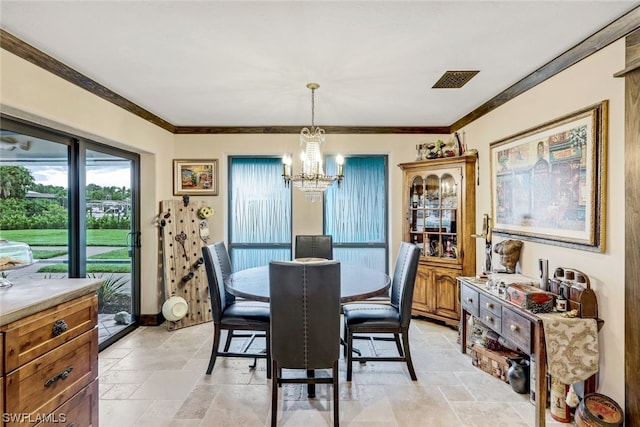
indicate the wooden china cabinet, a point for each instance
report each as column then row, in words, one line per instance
column 439, row 201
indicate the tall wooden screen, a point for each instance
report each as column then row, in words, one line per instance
column 183, row 235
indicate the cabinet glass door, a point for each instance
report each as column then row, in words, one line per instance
column 433, row 215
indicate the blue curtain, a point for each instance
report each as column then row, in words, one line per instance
column 355, row 213
column 259, row 212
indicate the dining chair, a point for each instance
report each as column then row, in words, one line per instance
column 314, row 246
column 233, row 315
column 305, row 325
column 365, row 319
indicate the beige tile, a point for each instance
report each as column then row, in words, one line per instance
column 488, row 414
column 121, row 413
column 197, row 402
column 124, row 377
column 155, row 377
column 456, row 393
column 119, row 392
column 167, row 385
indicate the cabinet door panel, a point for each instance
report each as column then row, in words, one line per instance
column 421, row 291
column 447, row 293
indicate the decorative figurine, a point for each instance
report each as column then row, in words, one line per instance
column 509, row 251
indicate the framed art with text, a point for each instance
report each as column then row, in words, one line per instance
column 195, row 177
column 548, row 183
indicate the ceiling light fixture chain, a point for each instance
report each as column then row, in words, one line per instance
column 312, row 180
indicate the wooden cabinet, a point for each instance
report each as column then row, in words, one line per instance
column 439, row 203
column 50, row 366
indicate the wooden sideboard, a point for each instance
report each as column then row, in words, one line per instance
column 519, row 326
column 49, row 353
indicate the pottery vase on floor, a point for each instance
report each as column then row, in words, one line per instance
column 518, row 375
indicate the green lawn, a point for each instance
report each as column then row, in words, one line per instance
column 46, row 254
column 91, row 268
column 122, row 253
column 59, row 237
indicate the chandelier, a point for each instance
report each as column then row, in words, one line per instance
column 312, row 180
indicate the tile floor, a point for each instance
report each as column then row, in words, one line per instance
column 154, row 377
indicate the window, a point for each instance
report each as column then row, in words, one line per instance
column 259, row 212
column 355, row 213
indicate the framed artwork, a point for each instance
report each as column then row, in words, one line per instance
column 548, row 183
column 195, row 177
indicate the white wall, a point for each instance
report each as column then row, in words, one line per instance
column 588, row 82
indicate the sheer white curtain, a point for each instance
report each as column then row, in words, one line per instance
column 355, row 213
column 259, row 212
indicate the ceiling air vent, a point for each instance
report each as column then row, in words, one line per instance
column 454, row 79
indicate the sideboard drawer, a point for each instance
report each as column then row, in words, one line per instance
column 469, row 299
column 31, row 337
column 80, row 411
column 490, row 305
column 491, row 320
column 43, row 384
column 516, row 329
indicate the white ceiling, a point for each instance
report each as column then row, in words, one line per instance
column 241, row 63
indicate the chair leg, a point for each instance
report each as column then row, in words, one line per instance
column 336, row 396
column 398, row 344
column 407, row 354
column 268, row 348
column 274, row 394
column 214, row 350
column 227, row 343
column 349, row 338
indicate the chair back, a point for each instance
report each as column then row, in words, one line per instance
column 403, row 281
column 218, row 268
column 314, row 246
column 305, row 314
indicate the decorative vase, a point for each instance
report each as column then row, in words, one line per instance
column 518, row 375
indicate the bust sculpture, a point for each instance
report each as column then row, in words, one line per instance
column 509, row 251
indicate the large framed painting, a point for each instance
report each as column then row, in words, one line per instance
column 195, row 177
column 548, row 183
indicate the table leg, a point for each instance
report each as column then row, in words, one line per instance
column 311, row 388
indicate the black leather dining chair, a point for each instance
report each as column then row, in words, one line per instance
column 305, row 325
column 231, row 315
column 385, row 318
column 314, row 246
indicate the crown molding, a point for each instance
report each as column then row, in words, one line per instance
column 187, row 130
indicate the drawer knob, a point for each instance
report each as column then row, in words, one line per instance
column 514, row 328
column 61, row 376
column 489, row 305
column 489, row 319
column 59, row 327
column 469, row 300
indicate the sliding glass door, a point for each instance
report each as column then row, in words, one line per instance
column 111, row 239
column 75, row 203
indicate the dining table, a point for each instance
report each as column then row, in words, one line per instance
column 357, row 283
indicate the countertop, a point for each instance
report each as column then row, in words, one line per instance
column 30, row 296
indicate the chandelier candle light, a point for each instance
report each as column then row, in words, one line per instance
column 312, row 180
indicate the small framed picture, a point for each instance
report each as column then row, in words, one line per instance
column 195, row 177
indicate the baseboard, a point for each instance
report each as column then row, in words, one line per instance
column 151, row 319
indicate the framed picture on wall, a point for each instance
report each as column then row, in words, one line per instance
column 548, row 183
column 195, row 177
